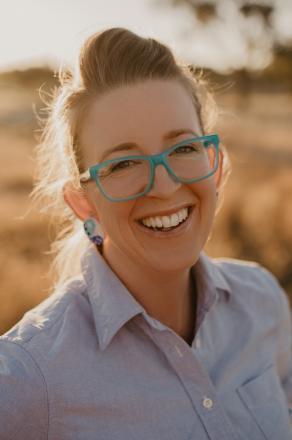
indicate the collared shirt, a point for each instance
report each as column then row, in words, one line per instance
column 89, row 363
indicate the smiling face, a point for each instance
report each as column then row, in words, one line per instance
column 154, row 115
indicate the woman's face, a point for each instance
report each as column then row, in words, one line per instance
column 154, row 115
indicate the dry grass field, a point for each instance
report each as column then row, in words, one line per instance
column 255, row 221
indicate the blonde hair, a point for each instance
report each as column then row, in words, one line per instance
column 107, row 60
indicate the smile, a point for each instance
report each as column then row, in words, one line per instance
column 166, row 221
column 170, row 226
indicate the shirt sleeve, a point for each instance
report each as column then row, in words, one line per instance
column 284, row 352
column 285, row 347
column 23, row 398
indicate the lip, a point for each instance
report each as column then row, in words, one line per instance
column 167, row 212
column 182, row 228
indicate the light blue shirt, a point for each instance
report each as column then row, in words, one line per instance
column 89, row 363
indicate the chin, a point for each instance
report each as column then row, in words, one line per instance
column 175, row 260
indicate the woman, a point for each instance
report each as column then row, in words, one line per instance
column 145, row 336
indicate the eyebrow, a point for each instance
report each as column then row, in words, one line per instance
column 126, row 146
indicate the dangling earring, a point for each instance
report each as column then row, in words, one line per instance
column 91, row 230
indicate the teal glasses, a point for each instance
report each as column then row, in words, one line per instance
column 129, row 177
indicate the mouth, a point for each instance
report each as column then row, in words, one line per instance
column 169, row 224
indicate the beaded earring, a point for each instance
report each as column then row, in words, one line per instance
column 91, row 230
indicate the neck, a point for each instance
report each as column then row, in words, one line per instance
column 169, row 297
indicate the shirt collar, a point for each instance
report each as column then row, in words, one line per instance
column 111, row 302
column 113, row 305
column 209, row 276
column 211, row 285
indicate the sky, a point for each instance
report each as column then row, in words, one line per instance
column 34, row 32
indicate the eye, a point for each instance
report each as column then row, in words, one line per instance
column 121, row 165
column 185, row 149
column 118, row 167
column 189, row 148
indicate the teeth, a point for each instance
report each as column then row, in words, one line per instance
column 146, row 222
column 166, row 221
column 159, row 222
column 175, row 218
column 152, row 222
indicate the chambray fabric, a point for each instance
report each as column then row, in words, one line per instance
column 89, row 363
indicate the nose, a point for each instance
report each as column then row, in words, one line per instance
column 163, row 185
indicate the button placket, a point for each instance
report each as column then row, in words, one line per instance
column 178, row 350
column 195, row 380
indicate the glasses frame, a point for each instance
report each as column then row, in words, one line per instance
column 154, row 160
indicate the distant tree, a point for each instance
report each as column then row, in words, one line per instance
column 253, row 19
column 208, row 9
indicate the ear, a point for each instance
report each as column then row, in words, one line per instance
column 219, row 173
column 77, row 200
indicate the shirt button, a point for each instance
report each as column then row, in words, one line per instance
column 207, row 403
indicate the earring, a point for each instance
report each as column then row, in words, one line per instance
column 91, row 230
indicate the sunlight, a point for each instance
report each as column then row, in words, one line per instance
column 41, row 32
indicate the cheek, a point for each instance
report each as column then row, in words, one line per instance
column 110, row 217
column 205, row 193
column 113, row 216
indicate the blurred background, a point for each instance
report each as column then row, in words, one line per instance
column 245, row 50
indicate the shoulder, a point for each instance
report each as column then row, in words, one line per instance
column 23, row 394
column 257, row 292
column 258, row 302
column 248, row 273
column 25, row 350
column 251, row 281
column 38, row 322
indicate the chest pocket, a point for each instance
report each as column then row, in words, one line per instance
column 264, row 398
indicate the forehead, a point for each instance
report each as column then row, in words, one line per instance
column 140, row 113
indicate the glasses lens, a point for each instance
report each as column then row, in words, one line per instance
column 124, row 178
column 193, row 159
